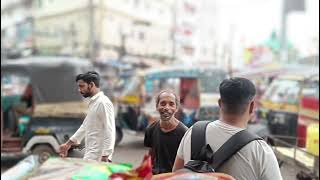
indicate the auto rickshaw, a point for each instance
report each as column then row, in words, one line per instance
column 279, row 105
column 261, row 76
column 197, row 88
column 40, row 103
column 308, row 110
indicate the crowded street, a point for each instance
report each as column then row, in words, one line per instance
column 131, row 150
column 160, row 89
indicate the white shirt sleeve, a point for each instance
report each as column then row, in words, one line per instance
column 106, row 115
column 79, row 134
column 269, row 164
column 181, row 153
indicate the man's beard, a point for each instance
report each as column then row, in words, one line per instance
column 166, row 116
column 87, row 94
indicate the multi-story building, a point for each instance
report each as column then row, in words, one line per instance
column 104, row 27
column 195, row 23
column 16, row 24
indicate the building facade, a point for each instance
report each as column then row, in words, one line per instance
column 16, row 25
column 108, row 29
column 195, row 31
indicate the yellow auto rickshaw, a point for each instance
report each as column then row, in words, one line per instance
column 279, row 105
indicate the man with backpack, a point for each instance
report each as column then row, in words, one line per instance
column 224, row 145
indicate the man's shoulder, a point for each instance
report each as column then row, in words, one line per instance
column 262, row 146
column 148, row 137
column 152, row 126
column 261, row 156
column 182, row 127
column 104, row 100
column 257, row 149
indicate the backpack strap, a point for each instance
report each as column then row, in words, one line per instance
column 232, row 146
column 198, row 138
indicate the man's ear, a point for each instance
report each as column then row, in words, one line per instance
column 92, row 84
column 177, row 109
column 251, row 107
column 219, row 102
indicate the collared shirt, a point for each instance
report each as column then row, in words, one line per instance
column 98, row 129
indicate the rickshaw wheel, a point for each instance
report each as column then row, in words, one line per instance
column 44, row 151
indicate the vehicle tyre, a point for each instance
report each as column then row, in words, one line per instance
column 119, row 135
column 44, row 151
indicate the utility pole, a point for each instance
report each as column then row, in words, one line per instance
column 72, row 33
column 287, row 7
column 91, row 31
column 230, row 50
column 122, row 51
column 174, row 27
column 283, row 34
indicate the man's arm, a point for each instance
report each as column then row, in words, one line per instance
column 75, row 139
column 178, row 164
column 181, row 153
column 269, row 163
column 152, row 154
column 148, row 142
column 79, row 134
column 106, row 114
column 63, row 149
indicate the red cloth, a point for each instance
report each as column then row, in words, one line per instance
column 143, row 172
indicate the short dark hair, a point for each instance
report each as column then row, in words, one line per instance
column 88, row 77
column 236, row 93
column 177, row 99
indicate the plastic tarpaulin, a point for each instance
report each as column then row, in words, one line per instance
column 22, row 169
column 192, row 176
column 76, row 169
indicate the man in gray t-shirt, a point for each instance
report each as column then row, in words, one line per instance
column 256, row 160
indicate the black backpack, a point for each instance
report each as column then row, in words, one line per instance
column 203, row 159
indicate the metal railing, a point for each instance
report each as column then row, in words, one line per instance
column 280, row 144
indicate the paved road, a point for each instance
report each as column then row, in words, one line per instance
column 131, row 150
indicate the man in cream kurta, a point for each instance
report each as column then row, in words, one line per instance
column 98, row 128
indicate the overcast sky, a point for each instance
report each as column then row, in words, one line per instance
column 254, row 20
